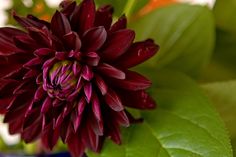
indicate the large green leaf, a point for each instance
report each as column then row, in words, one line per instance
column 225, row 11
column 222, row 94
column 183, row 125
column 222, row 66
column 185, row 34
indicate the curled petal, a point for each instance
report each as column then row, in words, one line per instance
column 50, row 137
column 60, row 24
column 87, row 73
column 111, row 71
column 88, row 91
column 67, row 7
column 40, row 36
column 25, row 43
column 28, row 22
column 104, row 16
column 46, row 105
column 94, row 38
column 39, row 94
column 133, row 82
column 117, row 44
column 83, row 16
column 137, row 99
column 121, row 118
column 114, row 132
column 96, row 125
column 113, row 101
column 76, row 146
column 4, row 103
column 39, row 21
column 96, row 107
column 76, row 120
column 92, row 58
column 101, row 84
column 120, row 24
column 33, row 62
column 43, row 52
column 72, row 41
column 137, row 53
column 32, row 133
column 6, row 40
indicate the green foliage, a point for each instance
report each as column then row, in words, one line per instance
column 183, row 125
column 225, row 11
column 222, row 94
column 185, row 34
column 222, row 66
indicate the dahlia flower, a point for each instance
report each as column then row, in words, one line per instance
column 69, row 79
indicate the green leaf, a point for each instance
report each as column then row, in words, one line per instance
column 183, row 125
column 225, row 11
column 185, row 34
column 222, row 95
column 222, row 66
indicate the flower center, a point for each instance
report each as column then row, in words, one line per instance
column 62, row 81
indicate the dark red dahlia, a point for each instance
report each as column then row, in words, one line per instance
column 70, row 78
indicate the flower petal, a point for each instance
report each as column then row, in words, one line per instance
column 6, row 40
column 40, row 36
column 138, row 99
column 26, row 43
column 91, row 59
column 121, row 118
column 87, row 73
column 76, row 119
column 104, row 16
column 88, row 91
column 110, row 71
column 4, row 103
column 50, row 137
column 89, row 137
column 96, row 125
column 46, row 105
column 113, row 101
column 96, row 107
column 43, row 52
column 83, row 17
column 81, row 105
column 114, row 132
column 101, row 84
column 120, row 24
column 76, row 146
column 72, row 41
column 60, row 25
column 94, row 38
column 38, row 22
column 133, row 82
column 32, row 132
column 117, row 44
column 33, row 62
column 67, row 7
column 137, row 53
column 39, row 94
column 28, row 22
